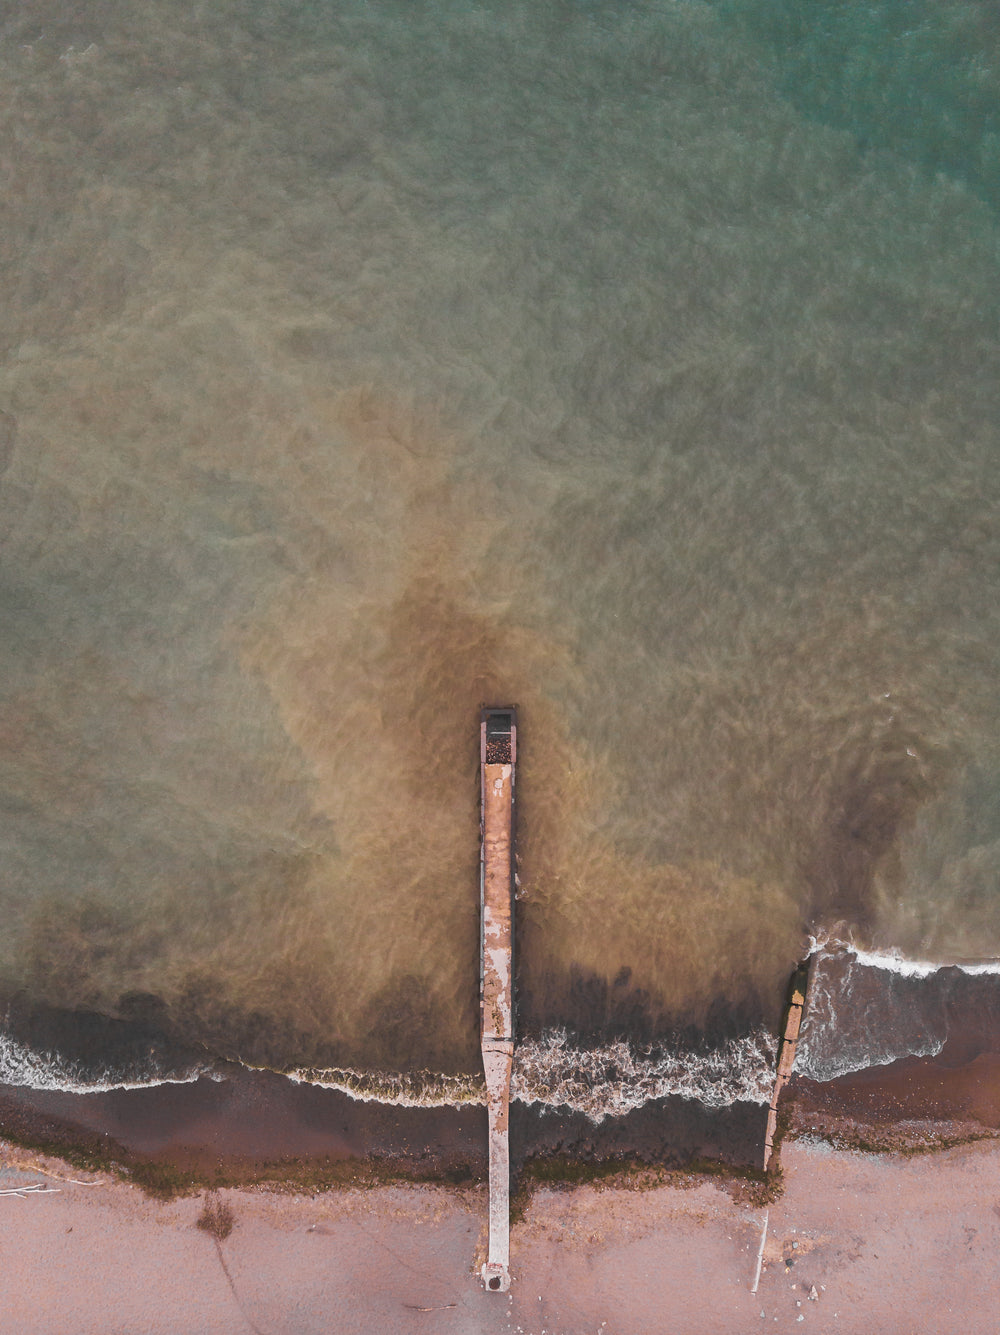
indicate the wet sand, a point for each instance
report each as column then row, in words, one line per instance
column 256, row 1125
column 887, row 1244
column 909, row 1102
column 258, row 1117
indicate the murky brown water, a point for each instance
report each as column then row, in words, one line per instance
column 363, row 363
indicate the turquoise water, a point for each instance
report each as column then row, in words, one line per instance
column 362, row 363
column 918, row 79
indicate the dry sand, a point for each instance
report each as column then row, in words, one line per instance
column 890, row 1244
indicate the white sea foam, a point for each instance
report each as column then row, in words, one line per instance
column 871, row 1007
column 832, row 1046
column 894, row 961
column 420, row 1089
column 552, row 1071
column 910, row 968
column 600, row 1082
column 618, row 1078
column 49, row 1071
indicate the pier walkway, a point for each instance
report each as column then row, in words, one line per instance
column 498, row 755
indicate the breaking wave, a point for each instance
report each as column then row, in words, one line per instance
column 873, row 1007
column 419, row 1089
column 20, row 1065
column 618, row 1078
column 895, row 962
column 601, row 1082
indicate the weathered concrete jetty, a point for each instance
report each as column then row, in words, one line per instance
column 498, row 757
column 794, row 1012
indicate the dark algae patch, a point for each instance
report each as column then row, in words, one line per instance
column 216, row 1218
column 165, row 1181
column 747, row 1186
column 183, row 1171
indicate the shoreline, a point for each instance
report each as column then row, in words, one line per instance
column 858, row 1232
column 261, row 1127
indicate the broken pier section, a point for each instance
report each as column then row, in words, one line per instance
column 794, row 1011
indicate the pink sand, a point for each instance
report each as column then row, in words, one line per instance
column 890, row 1245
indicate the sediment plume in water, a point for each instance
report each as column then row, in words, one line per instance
column 365, row 362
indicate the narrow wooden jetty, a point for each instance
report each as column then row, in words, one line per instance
column 794, row 1011
column 498, row 757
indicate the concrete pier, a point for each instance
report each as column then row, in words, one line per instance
column 498, row 753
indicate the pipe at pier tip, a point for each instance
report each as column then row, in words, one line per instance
column 496, row 1277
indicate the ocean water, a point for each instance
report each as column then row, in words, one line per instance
column 361, row 362
column 869, row 1008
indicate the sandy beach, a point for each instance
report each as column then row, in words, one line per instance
column 885, row 1243
column 861, row 1241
